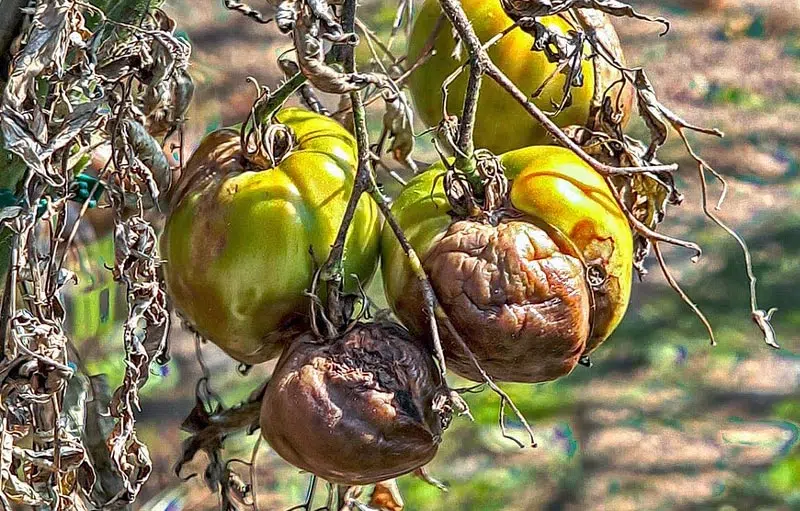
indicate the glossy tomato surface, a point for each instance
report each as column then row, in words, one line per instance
column 239, row 241
column 554, row 190
column 502, row 124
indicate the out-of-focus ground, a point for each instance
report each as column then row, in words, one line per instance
column 662, row 420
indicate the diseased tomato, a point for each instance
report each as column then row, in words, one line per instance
column 530, row 293
column 367, row 406
column 238, row 237
column 502, row 123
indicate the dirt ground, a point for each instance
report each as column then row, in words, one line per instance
column 662, row 421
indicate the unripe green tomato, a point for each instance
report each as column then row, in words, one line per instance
column 502, row 124
column 237, row 242
column 568, row 220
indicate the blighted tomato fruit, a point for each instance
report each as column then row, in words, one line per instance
column 245, row 233
column 502, row 124
column 544, row 282
column 368, row 406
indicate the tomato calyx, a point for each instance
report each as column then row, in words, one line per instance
column 264, row 142
column 491, row 203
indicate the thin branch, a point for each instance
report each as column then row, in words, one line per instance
column 332, row 270
column 677, row 288
column 479, row 54
column 428, row 293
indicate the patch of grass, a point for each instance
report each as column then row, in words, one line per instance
column 736, row 96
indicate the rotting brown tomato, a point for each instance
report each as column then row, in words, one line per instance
column 529, row 287
column 364, row 407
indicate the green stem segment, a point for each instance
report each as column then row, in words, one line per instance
column 279, row 97
column 332, row 270
column 464, row 161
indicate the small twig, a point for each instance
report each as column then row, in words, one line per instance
column 760, row 317
column 428, row 293
column 246, row 10
column 278, row 97
column 504, row 398
column 649, row 233
column 677, row 288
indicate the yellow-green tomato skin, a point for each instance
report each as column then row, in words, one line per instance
column 556, row 186
column 502, row 124
column 553, row 187
column 239, row 248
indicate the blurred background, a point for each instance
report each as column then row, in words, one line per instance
column 662, row 420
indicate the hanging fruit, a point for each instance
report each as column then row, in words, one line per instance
column 532, row 283
column 575, row 83
column 249, row 225
column 364, row 407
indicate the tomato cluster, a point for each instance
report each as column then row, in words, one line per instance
column 503, row 123
column 530, row 288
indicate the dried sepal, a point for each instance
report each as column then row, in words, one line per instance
column 386, row 496
column 398, row 124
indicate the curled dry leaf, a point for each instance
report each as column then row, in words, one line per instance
column 22, row 119
column 147, row 162
column 307, row 93
column 310, row 27
column 398, row 121
column 520, row 9
column 69, row 91
column 209, row 424
column 386, row 497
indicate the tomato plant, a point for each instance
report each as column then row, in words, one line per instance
column 510, row 262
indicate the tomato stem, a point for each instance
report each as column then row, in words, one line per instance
column 279, row 97
column 464, row 161
column 332, row 270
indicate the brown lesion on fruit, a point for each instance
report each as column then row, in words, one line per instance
column 597, row 251
column 522, row 302
column 218, row 155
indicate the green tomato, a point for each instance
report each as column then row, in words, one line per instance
column 568, row 219
column 238, row 242
column 502, row 124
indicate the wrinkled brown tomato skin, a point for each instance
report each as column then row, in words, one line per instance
column 518, row 298
column 357, row 410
